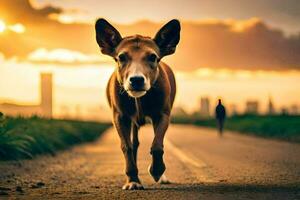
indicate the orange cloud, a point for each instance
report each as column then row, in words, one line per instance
column 234, row 44
column 66, row 57
column 21, row 11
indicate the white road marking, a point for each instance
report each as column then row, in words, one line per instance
column 188, row 159
column 197, row 166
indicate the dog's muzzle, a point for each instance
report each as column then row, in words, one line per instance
column 137, row 86
column 137, row 83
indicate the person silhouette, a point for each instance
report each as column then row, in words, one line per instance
column 220, row 116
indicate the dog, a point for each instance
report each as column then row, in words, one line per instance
column 141, row 86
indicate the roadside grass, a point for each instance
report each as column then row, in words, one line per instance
column 284, row 127
column 26, row 137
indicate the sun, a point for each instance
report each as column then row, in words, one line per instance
column 2, row 26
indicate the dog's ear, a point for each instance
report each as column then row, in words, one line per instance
column 108, row 38
column 168, row 37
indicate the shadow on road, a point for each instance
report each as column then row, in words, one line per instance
column 219, row 188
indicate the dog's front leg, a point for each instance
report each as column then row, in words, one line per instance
column 123, row 127
column 135, row 141
column 157, row 166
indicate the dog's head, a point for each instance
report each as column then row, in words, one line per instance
column 137, row 56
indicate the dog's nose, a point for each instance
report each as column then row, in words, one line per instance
column 137, row 82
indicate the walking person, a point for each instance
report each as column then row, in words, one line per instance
column 220, row 116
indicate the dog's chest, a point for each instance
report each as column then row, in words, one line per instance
column 138, row 109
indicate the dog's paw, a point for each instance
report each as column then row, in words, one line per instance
column 157, row 171
column 133, row 186
column 164, row 180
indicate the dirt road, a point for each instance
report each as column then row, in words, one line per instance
column 200, row 165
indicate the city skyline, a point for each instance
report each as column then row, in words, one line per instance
column 100, row 111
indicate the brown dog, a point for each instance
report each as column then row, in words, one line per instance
column 141, row 86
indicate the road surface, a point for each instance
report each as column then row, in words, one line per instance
column 200, row 165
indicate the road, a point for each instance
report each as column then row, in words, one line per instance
column 200, row 165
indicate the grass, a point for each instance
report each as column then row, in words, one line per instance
column 26, row 137
column 284, row 127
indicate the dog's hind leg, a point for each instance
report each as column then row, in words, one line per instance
column 123, row 127
column 157, row 166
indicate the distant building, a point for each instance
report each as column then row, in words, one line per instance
column 271, row 109
column 251, row 107
column 65, row 112
column 233, row 110
column 178, row 111
column 294, row 110
column 204, row 106
column 44, row 109
column 284, row 111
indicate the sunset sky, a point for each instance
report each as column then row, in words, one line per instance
column 277, row 13
column 236, row 50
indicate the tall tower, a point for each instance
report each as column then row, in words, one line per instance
column 46, row 94
column 271, row 109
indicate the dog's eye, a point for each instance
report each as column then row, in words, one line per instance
column 122, row 57
column 152, row 58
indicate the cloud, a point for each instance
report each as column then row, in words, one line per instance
column 249, row 44
column 65, row 57
column 41, row 30
column 234, row 44
column 21, row 11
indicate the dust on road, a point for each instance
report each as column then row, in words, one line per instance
column 199, row 164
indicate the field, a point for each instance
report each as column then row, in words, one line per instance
column 26, row 137
column 282, row 127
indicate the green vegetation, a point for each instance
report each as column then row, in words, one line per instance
column 283, row 127
column 26, row 137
